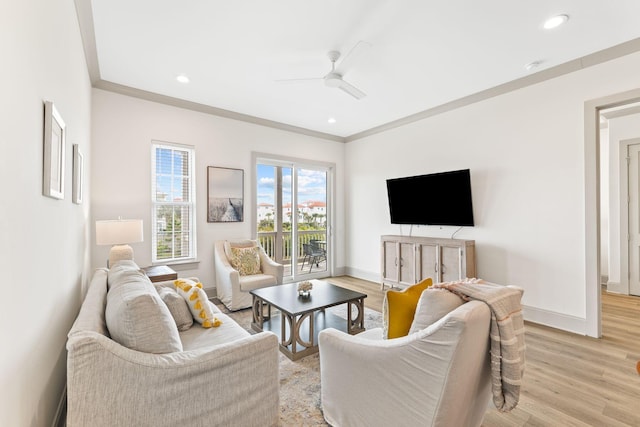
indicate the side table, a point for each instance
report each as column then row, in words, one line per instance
column 160, row 273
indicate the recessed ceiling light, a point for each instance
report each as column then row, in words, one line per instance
column 331, row 120
column 531, row 65
column 182, row 78
column 555, row 21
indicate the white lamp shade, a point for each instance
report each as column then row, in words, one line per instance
column 119, row 231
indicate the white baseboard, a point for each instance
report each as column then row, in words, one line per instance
column 565, row 322
column 617, row 288
column 361, row 274
column 339, row 271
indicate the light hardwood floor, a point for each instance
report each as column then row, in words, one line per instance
column 569, row 379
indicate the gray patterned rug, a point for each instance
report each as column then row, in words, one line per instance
column 300, row 380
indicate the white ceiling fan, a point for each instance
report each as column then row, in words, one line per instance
column 334, row 77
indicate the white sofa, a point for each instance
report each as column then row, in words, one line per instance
column 223, row 376
column 436, row 376
column 233, row 288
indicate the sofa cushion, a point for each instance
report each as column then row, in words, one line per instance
column 137, row 318
column 198, row 302
column 177, row 307
column 433, row 305
column 245, row 260
column 197, row 337
column 399, row 308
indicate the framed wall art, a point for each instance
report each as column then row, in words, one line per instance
column 78, row 171
column 225, row 194
column 54, row 145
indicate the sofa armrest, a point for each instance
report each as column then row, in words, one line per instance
column 109, row 384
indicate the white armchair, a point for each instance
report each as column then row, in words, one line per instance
column 438, row 376
column 233, row 288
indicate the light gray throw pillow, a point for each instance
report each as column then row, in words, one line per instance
column 433, row 305
column 123, row 272
column 177, row 307
column 137, row 318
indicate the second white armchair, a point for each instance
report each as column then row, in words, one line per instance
column 233, row 284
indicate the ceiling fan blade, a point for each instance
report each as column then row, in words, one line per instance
column 352, row 90
column 286, row 81
column 344, row 65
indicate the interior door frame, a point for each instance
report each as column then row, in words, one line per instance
column 330, row 168
column 592, row 108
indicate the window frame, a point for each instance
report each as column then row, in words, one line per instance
column 191, row 204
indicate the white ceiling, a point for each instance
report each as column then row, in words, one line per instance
column 422, row 54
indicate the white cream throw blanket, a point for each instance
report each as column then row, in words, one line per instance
column 507, row 335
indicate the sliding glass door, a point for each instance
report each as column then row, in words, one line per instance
column 292, row 215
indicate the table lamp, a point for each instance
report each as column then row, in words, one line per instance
column 119, row 233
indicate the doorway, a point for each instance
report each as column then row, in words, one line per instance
column 293, row 214
column 592, row 109
column 619, row 221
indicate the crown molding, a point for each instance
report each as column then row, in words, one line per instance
column 85, row 22
column 207, row 109
column 595, row 58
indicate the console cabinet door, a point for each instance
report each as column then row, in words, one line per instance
column 428, row 255
column 390, row 273
column 450, row 266
column 407, row 264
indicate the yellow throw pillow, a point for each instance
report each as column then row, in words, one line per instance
column 245, row 260
column 400, row 308
column 198, row 302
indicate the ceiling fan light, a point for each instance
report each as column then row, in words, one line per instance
column 182, row 78
column 333, row 80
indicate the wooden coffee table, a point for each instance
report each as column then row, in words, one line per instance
column 298, row 340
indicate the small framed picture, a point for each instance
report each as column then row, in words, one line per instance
column 78, row 171
column 225, row 194
column 54, row 148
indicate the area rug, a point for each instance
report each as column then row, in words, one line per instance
column 300, row 380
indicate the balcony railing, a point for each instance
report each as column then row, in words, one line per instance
column 268, row 242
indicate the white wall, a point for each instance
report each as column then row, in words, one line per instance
column 44, row 259
column 123, row 128
column 526, row 152
column 620, row 129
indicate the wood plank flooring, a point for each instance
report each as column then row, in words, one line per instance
column 569, row 379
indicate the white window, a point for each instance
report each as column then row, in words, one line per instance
column 174, row 204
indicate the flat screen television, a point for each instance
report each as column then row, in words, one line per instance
column 435, row 199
